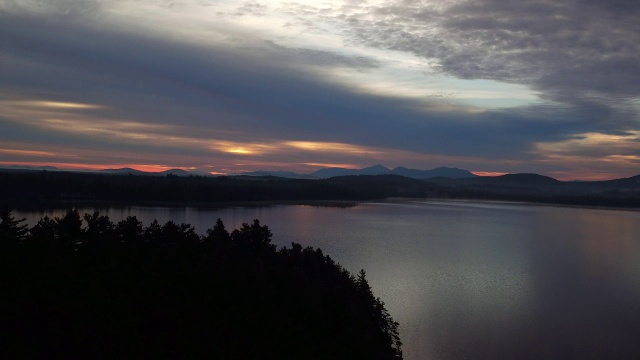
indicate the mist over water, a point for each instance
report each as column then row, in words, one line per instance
column 469, row 279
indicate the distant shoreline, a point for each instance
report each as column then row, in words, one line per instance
column 507, row 202
column 315, row 203
column 198, row 205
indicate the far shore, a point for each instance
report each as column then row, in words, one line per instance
column 318, row 203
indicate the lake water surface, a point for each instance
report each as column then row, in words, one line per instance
column 469, row 280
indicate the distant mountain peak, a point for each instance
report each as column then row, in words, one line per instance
column 178, row 172
column 379, row 169
column 277, row 173
column 443, row 171
column 525, row 179
column 374, row 170
column 124, row 170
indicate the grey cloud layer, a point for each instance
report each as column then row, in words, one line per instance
column 575, row 52
column 322, row 58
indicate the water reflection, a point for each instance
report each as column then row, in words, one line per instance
column 471, row 279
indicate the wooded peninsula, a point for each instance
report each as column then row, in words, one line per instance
column 121, row 290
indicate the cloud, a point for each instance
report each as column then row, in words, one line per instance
column 195, row 78
column 593, row 154
column 71, row 9
column 256, row 92
column 321, row 58
column 574, row 52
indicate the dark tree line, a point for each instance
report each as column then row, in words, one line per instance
column 59, row 189
column 44, row 188
column 86, row 287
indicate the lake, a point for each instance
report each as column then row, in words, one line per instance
column 469, row 280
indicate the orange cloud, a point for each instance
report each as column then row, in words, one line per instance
column 592, row 156
column 53, row 104
column 488, row 173
column 26, row 152
column 327, row 165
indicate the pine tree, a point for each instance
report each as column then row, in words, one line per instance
column 11, row 230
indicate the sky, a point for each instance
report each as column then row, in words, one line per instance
column 491, row 86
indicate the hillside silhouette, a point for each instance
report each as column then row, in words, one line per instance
column 86, row 287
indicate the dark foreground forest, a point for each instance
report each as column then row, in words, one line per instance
column 85, row 287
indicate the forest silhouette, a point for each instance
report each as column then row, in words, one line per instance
column 46, row 189
column 86, row 287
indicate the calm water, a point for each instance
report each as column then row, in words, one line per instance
column 470, row 280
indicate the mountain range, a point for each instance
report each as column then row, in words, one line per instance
column 176, row 172
column 117, row 171
column 445, row 172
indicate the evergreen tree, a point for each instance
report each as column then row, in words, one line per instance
column 253, row 234
column 129, row 230
column 98, row 225
column 218, row 234
column 12, row 231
